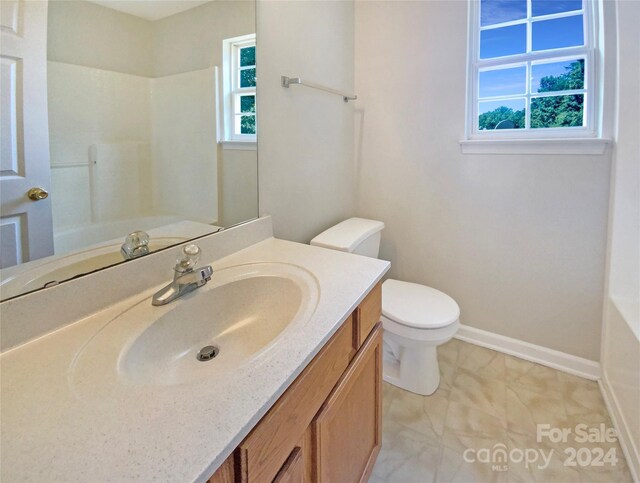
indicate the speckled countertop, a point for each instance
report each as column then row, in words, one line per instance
column 50, row 432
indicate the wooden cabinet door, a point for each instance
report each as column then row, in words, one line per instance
column 348, row 428
column 265, row 449
column 367, row 315
column 226, row 473
column 293, row 469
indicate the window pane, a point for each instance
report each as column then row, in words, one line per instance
column 248, row 77
column 498, row 11
column 546, row 7
column 246, row 124
column 557, row 111
column 503, row 41
column 501, row 114
column 557, row 76
column 247, row 56
column 503, row 82
column 557, row 33
column 247, row 103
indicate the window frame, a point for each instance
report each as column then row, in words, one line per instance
column 588, row 52
column 231, row 87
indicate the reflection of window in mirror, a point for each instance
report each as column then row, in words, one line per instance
column 239, row 85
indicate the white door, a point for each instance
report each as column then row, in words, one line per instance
column 26, row 230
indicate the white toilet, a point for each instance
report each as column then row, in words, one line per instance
column 416, row 318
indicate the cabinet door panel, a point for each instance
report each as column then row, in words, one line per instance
column 348, row 430
column 293, row 469
column 263, row 452
column 367, row 315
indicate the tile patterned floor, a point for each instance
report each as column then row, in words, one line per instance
column 485, row 399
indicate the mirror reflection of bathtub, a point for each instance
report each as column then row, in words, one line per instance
column 75, row 257
column 131, row 128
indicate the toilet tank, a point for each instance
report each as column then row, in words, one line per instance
column 355, row 235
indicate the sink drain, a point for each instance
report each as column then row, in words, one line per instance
column 207, row 353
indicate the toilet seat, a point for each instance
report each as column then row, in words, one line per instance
column 416, row 306
column 415, row 337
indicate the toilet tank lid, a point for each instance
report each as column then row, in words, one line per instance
column 347, row 235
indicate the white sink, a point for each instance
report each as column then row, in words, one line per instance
column 244, row 310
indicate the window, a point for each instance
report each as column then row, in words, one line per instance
column 531, row 69
column 239, row 86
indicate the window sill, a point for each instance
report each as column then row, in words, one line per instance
column 240, row 145
column 589, row 146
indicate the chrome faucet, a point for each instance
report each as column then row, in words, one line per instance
column 135, row 245
column 186, row 278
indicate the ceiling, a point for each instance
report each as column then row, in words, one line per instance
column 150, row 9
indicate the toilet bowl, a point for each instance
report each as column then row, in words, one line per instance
column 415, row 318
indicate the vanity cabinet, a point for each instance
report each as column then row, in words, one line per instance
column 347, row 430
column 326, row 427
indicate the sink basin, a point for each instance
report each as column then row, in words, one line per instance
column 243, row 311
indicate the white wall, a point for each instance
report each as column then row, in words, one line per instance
column 305, row 136
column 621, row 331
column 84, row 33
column 192, row 40
column 624, row 281
column 184, row 151
column 518, row 241
column 238, row 195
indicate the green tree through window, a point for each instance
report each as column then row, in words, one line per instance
column 560, row 111
column 551, row 111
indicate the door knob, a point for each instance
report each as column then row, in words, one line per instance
column 37, row 194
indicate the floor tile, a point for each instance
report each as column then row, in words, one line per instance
column 406, row 455
column 448, row 361
column 423, row 414
column 480, row 392
column 526, row 409
column 583, row 399
column 482, row 362
column 533, row 461
column 488, row 405
column 471, row 427
column 534, row 377
column 389, row 393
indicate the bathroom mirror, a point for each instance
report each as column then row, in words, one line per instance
column 151, row 123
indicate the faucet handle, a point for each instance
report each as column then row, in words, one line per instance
column 135, row 245
column 188, row 259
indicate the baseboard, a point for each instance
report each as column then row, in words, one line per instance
column 629, row 449
column 531, row 352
